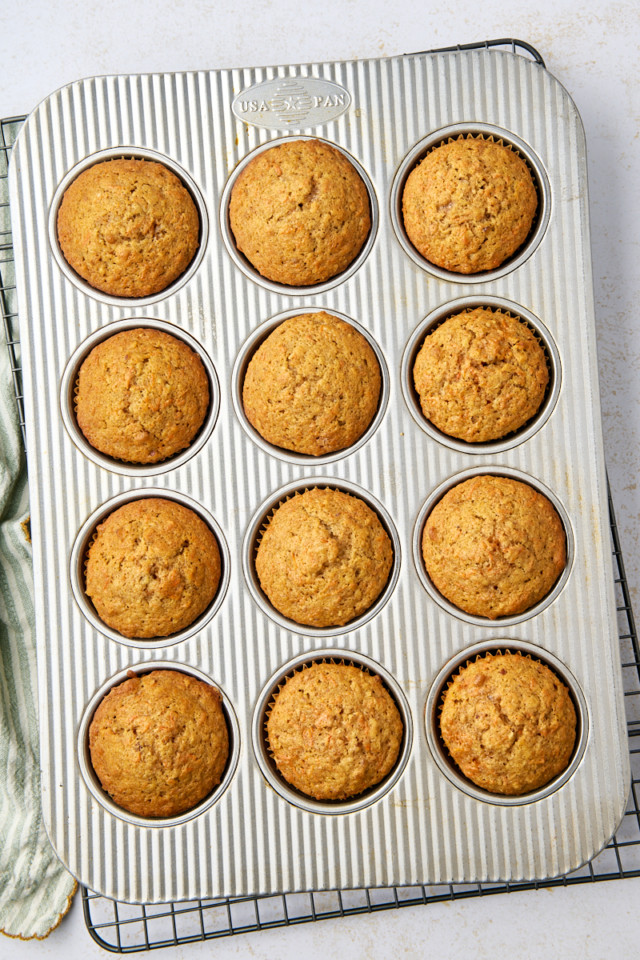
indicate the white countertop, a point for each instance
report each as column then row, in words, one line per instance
column 592, row 49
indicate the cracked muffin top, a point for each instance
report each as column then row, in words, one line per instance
column 508, row 722
column 333, row 730
column 480, row 375
column 469, row 204
column 141, row 396
column 313, row 385
column 323, row 558
column 299, row 212
column 494, row 546
column 128, row 227
column 152, row 568
column 159, row 742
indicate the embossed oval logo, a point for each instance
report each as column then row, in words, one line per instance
column 291, row 102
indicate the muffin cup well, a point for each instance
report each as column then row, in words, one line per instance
column 439, row 751
column 134, row 153
column 487, row 131
column 434, row 593
column 84, row 756
column 68, row 390
column 516, row 437
column 265, row 760
column 237, row 379
column 78, row 561
column 250, row 271
column 252, row 539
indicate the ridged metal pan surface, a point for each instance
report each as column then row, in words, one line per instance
column 422, row 826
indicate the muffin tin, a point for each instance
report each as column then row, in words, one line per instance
column 423, row 825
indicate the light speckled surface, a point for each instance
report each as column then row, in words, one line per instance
column 592, row 50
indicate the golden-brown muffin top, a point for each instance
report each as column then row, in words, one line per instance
column 152, row 568
column 128, row 227
column 469, row 204
column 508, row 722
column 494, row 546
column 141, row 396
column 159, row 743
column 480, row 375
column 323, row 558
column 299, row 212
column 313, row 385
column 334, row 730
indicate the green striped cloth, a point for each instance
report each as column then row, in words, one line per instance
column 35, row 889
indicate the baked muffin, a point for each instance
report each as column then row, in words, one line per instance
column 469, row 204
column 313, row 385
column 480, row 375
column 128, row 227
column 152, row 568
column 494, row 546
column 324, row 558
column 299, row 212
column 141, row 396
column 159, row 743
column 508, row 722
column 333, row 731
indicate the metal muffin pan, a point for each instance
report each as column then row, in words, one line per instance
column 424, row 825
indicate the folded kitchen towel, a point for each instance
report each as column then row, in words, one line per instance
column 35, row 889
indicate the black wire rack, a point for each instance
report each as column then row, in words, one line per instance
column 129, row 928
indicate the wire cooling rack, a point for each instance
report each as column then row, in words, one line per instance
column 129, row 928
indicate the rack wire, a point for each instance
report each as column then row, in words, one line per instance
column 128, row 928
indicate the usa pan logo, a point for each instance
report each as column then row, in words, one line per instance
column 291, row 102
